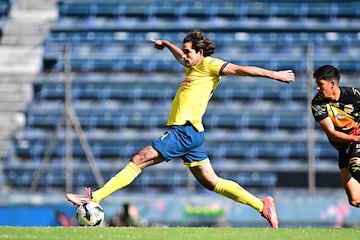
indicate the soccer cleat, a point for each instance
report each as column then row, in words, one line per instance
column 79, row 199
column 269, row 212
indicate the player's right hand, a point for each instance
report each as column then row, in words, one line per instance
column 158, row 44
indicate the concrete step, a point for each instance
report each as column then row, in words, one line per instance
column 11, row 120
column 35, row 4
column 20, row 59
column 15, row 106
column 15, row 87
column 15, row 27
column 28, row 40
column 19, row 54
column 16, row 97
column 4, row 146
column 17, row 77
column 29, row 20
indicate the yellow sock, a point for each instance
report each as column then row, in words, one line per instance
column 120, row 180
column 235, row 192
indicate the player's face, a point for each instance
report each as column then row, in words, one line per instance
column 324, row 87
column 190, row 56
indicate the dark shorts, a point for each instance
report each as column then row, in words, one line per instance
column 354, row 150
column 183, row 142
column 346, row 152
column 343, row 159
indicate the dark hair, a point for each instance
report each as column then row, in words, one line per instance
column 327, row 72
column 200, row 41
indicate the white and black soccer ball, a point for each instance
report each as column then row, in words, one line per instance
column 90, row 214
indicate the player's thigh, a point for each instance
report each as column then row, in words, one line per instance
column 205, row 175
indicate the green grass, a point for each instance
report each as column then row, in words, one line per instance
column 96, row 233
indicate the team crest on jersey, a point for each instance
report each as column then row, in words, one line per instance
column 348, row 108
column 334, row 104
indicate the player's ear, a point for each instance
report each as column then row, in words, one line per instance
column 201, row 51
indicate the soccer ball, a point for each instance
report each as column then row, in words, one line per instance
column 90, row 214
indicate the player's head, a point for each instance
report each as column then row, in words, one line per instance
column 196, row 46
column 327, row 79
column 327, row 72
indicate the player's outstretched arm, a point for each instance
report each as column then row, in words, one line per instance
column 285, row 76
column 175, row 50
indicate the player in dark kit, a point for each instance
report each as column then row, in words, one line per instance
column 337, row 109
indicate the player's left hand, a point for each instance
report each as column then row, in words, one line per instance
column 285, row 76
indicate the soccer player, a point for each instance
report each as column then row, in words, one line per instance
column 185, row 136
column 337, row 109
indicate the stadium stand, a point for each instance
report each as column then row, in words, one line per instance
column 122, row 87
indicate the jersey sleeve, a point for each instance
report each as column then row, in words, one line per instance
column 215, row 65
column 319, row 109
column 356, row 92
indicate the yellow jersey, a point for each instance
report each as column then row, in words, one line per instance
column 194, row 93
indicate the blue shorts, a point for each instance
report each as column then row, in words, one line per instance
column 183, row 142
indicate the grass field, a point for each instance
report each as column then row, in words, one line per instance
column 90, row 233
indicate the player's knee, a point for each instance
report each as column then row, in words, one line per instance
column 138, row 160
column 146, row 157
column 354, row 168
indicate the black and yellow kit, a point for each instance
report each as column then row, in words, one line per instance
column 344, row 113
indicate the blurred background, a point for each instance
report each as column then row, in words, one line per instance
column 83, row 89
